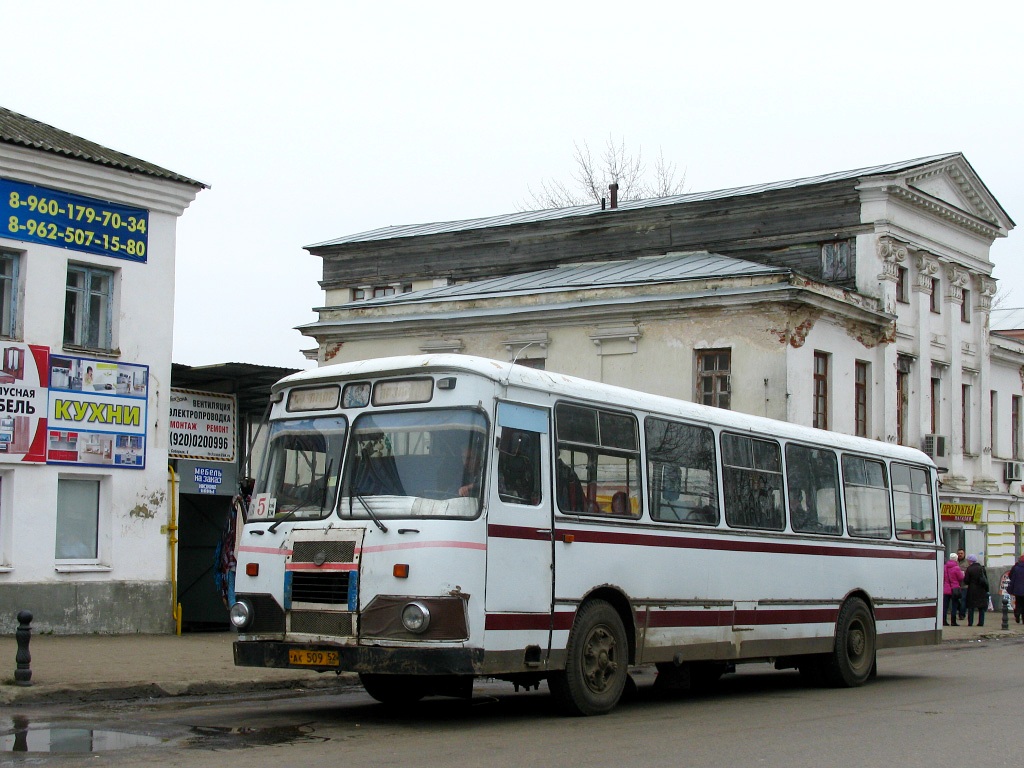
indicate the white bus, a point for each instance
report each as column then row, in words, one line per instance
column 426, row 520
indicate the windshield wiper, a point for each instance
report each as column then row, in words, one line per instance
column 369, row 511
column 287, row 516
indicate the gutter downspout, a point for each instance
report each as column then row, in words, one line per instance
column 171, row 530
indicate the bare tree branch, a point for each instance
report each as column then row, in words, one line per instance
column 616, row 164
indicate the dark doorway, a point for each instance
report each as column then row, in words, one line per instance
column 201, row 521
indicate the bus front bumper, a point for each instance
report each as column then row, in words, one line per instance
column 324, row 657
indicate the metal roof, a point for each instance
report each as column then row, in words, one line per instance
column 19, row 129
column 671, row 268
column 552, row 214
column 250, row 383
column 1008, row 319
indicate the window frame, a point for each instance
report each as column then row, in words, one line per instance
column 848, row 505
column 732, row 486
column 96, row 522
column 820, row 394
column 709, row 514
column 715, row 376
column 83, row 313
column 837, row 486
column 593, row 447
column 861, row 375
column 10, row 290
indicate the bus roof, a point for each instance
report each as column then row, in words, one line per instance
column 508, row 374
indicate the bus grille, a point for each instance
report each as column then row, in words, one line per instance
column 268, row 616
column 322, row 623
column 329, row 587
column 328, row 551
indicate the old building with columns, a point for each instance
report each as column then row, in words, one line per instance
column 856, row 301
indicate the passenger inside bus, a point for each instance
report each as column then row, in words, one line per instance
column 569, row 488
column 620, row 504
column 471, row 469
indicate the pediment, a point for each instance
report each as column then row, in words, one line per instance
column 954, row 183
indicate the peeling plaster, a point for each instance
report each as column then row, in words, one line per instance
column 798, row 325
column 149, row 508
column 870, row 336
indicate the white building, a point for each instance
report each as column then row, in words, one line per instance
column 87, row 251
column 857, row 301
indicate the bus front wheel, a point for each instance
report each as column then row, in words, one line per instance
column 596, row 665
column 853, row 656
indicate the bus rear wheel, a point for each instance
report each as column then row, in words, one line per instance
column 597, row 662
column 393, row 690
column 852, row 660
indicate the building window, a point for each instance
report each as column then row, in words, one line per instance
column 537, row 363
column 936, row 401
column 902, row 397
column 861, row 371
column 936, row 298
column 358, row 294
column 380, row 291
column 78, row 512
column 8, row 294
column 837, row 262
column 821, row 390
column 87, row 307
column 1015, row 409
column 965, row 307
column 965, row 417
column 714, row 377
column 901, row 285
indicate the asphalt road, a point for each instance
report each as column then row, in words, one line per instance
column 954, row 703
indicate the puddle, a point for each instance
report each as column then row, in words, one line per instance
column 72, row 740
column 216, row 737
column 20, row 736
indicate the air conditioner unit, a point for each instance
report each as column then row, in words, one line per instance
column 934, row 445
column 1012, row 471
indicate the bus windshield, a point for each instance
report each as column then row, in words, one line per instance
column 300, row 471
column 425, row 463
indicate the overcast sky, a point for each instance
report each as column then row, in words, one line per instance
column 313, row 120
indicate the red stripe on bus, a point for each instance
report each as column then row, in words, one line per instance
column 721, row 544
column 518, row 532
column 715, row 618
column 900, row 612
column 324, row 567
column 265, row 550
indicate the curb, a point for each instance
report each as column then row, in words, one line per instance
column 88, row 692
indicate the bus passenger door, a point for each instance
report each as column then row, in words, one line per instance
column 519, row 530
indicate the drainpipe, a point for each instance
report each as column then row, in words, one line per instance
column 171, row 530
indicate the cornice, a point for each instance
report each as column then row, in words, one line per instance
column 944, row 211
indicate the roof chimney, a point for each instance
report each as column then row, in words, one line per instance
column 613, row 189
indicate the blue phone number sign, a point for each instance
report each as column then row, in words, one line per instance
column 40, row 215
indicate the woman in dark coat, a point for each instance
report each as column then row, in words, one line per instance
column 976, row 583
column 1016, row 588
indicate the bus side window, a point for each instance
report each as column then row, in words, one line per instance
column 519, row 467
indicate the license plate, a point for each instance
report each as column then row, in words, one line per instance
column 308, row 658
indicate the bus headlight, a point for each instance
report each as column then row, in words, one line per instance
column 240, row 614
column 416, row 617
